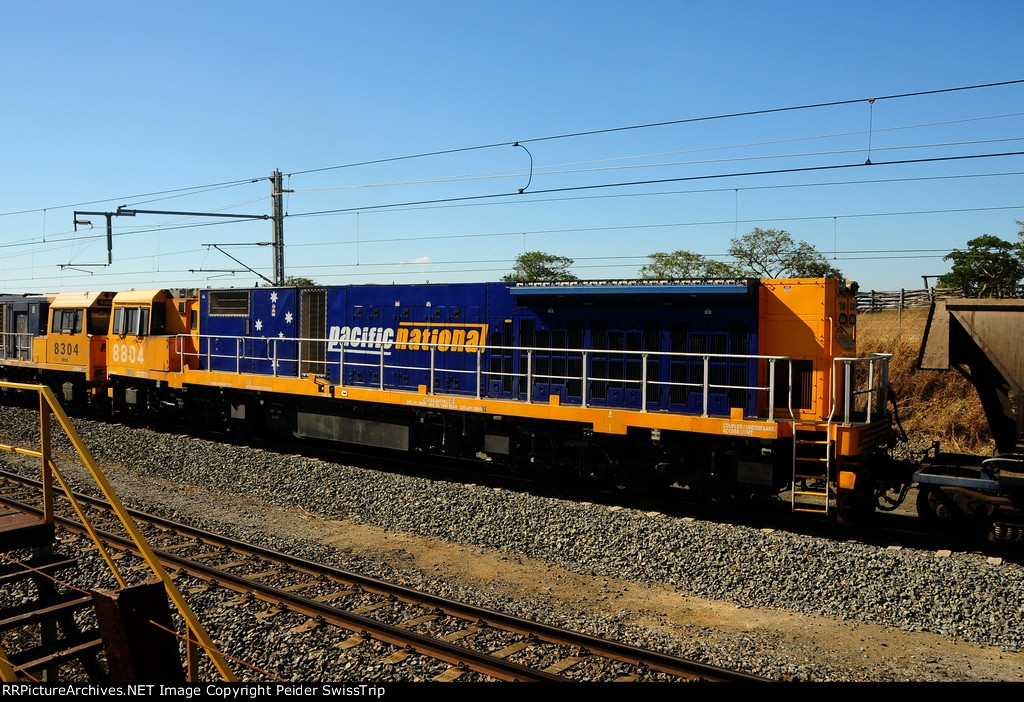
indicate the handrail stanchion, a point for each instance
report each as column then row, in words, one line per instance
column 583, row 387
column 432, row 367
column 44, row 439
column 847, row 378
column 883, row 401
column 643, row 383
column 870, row 389
column 529, row 376
column 479, row 372
column 705, row 388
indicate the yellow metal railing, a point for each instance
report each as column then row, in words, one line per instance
column 48, row 404
column 7, row 673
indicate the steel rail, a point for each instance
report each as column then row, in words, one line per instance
column 363, row 626
column 455, row 655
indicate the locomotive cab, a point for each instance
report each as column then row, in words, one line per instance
column 149, row 331
column 76, row 344
column 813, row 322
column 149, row 339
column 836, row 402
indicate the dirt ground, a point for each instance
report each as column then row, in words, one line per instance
column 862, row 651
column 875, row 650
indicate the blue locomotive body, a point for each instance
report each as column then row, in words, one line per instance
column 624, row 345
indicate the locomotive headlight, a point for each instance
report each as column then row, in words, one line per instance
column 853, row 319
column 842, row 320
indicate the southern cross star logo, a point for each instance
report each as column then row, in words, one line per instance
column 273, row 296
column 288, row 317
column 259, row 325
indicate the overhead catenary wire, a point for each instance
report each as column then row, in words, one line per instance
column 188, row 190
column 548, row 232
column 567, row 135
column 659, row 181
column 546, row 170
column 665, row 123
column 351, row 270
column 532, row 196
column 691, row 191
column 163, row 227
column 851, row 255
column 462, row 202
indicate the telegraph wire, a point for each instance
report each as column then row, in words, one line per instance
column 499, row 265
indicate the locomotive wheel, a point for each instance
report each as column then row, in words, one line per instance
column 941, row 515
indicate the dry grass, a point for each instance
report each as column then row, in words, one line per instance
column 933, row 405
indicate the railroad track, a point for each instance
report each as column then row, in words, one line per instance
column 887, row 528
column 471, row 642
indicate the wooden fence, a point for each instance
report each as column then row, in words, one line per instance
column 877, row 300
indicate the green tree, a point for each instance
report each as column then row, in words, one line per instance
column 989, row 267
column 294, row 281
column 686, row 264
column 537, row 266
column 772, row 253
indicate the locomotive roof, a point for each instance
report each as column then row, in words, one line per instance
column 142, row 297
column 81, row 299
column 717, row 286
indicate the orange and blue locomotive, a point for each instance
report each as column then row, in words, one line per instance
column 736, row 388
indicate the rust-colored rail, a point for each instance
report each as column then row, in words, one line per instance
column 643, row 662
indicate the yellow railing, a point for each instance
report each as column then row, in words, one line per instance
column 48, row 404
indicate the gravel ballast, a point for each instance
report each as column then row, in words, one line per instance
column 959, row 597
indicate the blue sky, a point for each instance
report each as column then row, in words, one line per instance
column 151, row 105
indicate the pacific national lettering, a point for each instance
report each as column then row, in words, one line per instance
column 409, row 336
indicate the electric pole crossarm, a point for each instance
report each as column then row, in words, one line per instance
column 131, row 213
column 277, row 223
column 110, row 230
